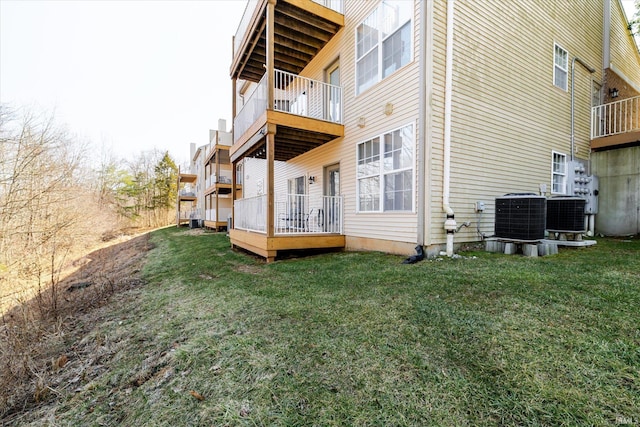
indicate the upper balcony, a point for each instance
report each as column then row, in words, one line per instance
column 616, row 123
column 301, row 29
column 186, row 184
column 306, row 114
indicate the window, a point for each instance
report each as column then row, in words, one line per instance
column 559, row 173
column 239, row 173
column 332, row 76
column 560, row 67
column 385, row 172
column 383, row 42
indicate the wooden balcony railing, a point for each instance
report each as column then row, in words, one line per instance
column 615, row 118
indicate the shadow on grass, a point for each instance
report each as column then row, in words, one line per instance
column 38, row 333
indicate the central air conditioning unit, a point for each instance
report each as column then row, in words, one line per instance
column 520, row 217
column 566, row 214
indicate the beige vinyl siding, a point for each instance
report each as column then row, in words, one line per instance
column 399, row 89
column 624, row 54
column 255, row 176
column 507, row 115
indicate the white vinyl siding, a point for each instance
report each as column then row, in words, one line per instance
column 560, row 67
column 507, row 114
column 624, row 53
column 383, row 42
column 400, row 89
column 559, row 173
column 391, row 179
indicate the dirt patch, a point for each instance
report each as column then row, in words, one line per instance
column 47, row 348
column 249, row 269
column 193, row 231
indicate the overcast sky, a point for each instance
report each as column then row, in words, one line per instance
column 131, row 75
column 127, row 75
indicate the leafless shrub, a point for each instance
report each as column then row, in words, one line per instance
column 50, row 214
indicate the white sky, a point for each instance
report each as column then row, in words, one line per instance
column 129, row 75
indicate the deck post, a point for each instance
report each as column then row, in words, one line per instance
column 270, row 137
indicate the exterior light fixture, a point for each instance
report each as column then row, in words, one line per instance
column 613, row 92
column 312, row 180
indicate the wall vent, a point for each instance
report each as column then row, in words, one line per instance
column 520, row 217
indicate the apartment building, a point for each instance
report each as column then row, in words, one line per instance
column 380, row 125
column 204, row 187
column 217, row 179
column 186, row 203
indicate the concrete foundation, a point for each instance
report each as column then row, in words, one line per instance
column 618, row 172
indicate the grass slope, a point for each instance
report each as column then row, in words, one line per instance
column 220, row 338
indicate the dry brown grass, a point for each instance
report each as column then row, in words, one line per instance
column 40, row 334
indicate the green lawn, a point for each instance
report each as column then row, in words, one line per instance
column 218, row 338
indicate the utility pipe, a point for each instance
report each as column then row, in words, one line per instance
column 573, row 69
column 606, row 34
column 450, row 223
column 422, row 121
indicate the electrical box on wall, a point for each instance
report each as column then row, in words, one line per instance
column 592, row 196
column 582, row 185
column 479, row 206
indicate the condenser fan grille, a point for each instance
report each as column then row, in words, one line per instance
column 566, row 214
column 520, row 217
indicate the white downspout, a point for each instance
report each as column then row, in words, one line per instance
column 422, row 120
column 450, row 222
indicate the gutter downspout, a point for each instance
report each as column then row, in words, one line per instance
column 573, row 69
column 591, row 71
column 422, row 126
column 606, row 34
column 450, row 222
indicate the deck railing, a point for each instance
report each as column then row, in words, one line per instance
column 294, row 214
column 250, row 214
column 252, row 109
column 222, row 179
column 615, row 118
column 295, row 95
column 219, row 215
column 336, row 5
column 301, row 213
column 189, row 214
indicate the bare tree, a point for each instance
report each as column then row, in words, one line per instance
column 39, row 199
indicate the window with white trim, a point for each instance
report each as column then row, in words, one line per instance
column 560, row 67
column 559, row 173
column 383, row 42
column 385, row 172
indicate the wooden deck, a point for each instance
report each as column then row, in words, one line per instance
column 215, row 225
column 614, row 141
column 294, row 135
column 268, row 247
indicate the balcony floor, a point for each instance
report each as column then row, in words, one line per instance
column 302, row 29
column 294, row 135
column 609, row 142
column 268, row 247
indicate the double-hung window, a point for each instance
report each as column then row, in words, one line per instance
column 560, row 67
column 383, row 42
column 385, row 172
column 559, row 173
